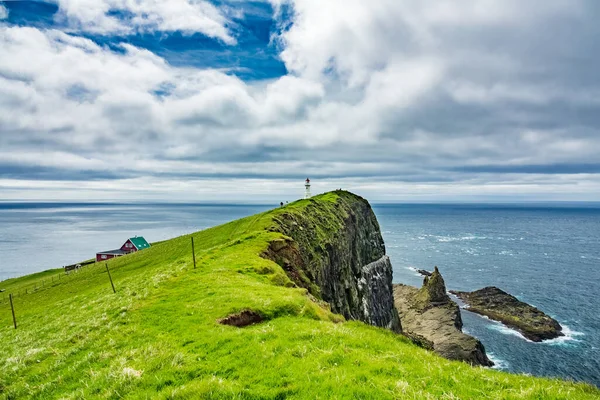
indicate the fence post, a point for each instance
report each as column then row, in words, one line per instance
column 193, row 253
column 12, row 307
column 111, row 281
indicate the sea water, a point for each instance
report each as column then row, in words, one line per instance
column 546, row 255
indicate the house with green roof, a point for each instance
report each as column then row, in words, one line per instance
column 132, row 245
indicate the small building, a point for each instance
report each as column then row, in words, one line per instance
column 130, row 246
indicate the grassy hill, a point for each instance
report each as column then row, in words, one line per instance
column 158, row 337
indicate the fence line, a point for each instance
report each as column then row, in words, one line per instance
column 69, row 275
column 36, row 286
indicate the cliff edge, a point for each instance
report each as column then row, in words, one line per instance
column 334, row 248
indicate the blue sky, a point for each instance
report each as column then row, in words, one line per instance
column 398, row 100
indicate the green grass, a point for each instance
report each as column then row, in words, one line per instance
column 158, row 336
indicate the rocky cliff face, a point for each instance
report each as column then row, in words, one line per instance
column 334, row 249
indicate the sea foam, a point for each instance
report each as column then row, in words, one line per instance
column 415, row 270
column 566, row 340
column 459, row 238
column 569, row 334
column 498, row 362
column 500, row 327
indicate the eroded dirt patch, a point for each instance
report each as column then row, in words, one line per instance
column 244, row 318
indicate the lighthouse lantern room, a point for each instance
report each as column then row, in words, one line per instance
column 307, row 194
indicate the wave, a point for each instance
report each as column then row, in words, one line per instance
column 500, row 327
column 498, row 362
column 415, row 270
column 446, row 238
column 459, row 238
column 569, row 334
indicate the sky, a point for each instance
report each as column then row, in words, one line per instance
column 240, row 101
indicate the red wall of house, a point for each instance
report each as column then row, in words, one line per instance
column 108, row 257
column 128, row 249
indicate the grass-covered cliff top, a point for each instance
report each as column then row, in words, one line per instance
column 159, row 336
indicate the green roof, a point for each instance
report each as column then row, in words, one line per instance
column 139, row 242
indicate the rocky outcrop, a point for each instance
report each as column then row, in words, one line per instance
column 336, row 251
column 503, row 307
column 432, row 320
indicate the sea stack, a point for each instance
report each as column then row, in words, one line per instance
column 432, row 320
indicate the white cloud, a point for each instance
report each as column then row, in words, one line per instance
column 355, row 37
column 187, row 16
column 84, row 93
column 3, row 12
column 400, row 91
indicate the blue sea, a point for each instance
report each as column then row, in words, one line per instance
column 547, row 255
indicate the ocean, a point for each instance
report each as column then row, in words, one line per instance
column 547, row 255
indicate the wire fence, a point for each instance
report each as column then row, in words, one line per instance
column 69, row 272
column 74, row 273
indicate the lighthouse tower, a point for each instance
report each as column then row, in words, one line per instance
column 307, row 194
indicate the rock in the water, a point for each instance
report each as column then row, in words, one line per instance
column 432, row 320
column 503, row 307
column 424, row 272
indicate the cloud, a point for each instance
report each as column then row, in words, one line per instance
column 411, row 98
column 125, row 17
column 3, row 12
column 80, row 95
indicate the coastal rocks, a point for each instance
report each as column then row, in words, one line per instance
column 433, row 291
column 432, row 320
column 424, row 272
column 503, row 307
column 336, row 251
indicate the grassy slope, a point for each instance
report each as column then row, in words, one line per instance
column 158, row 336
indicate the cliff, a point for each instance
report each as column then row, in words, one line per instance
column 432, row 320
column 336, row 251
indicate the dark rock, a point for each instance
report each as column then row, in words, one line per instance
column 336, row 251
column 376, row 294
column 434, row 290
column 244, row 318
column 432, row 320
column 424, row 272
column 500, row 306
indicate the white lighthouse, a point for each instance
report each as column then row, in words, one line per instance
column 307, row 194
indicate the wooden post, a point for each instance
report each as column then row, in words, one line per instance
column 193, row 253
column 12, row 307
column 109, row 277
